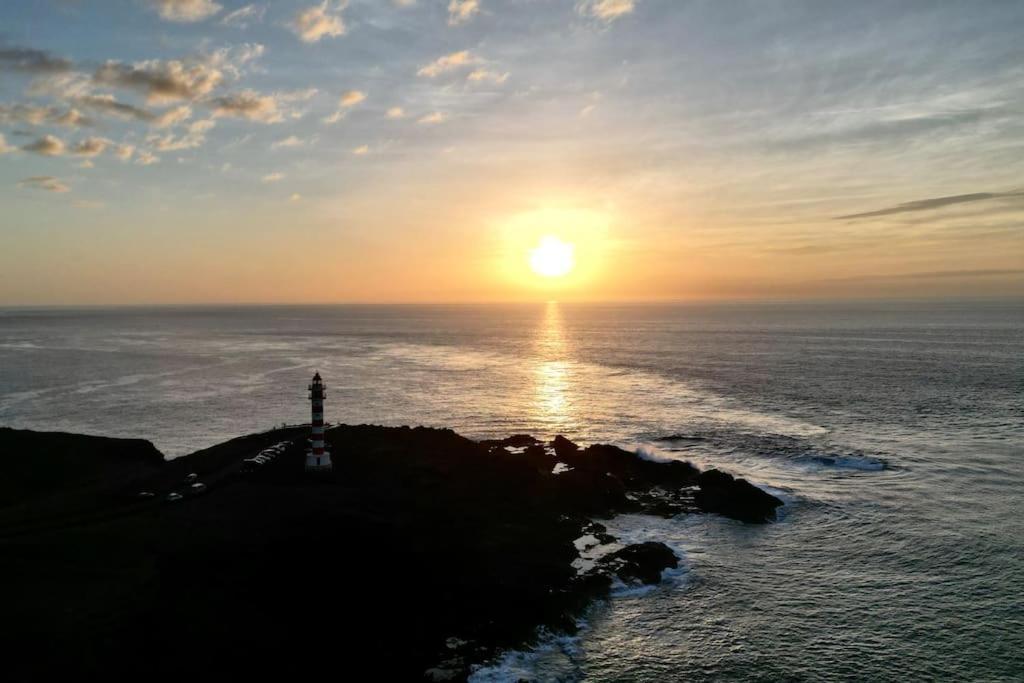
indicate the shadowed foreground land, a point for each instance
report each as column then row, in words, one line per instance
column 421, row 551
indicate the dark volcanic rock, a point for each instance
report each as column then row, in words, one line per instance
column 681, row 437
column 34, row 465
column 417, row 537
column 737, row 498
column 514, row 441
column 643, row 562
column 563, row 447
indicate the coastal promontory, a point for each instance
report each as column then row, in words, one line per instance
column 419, row 555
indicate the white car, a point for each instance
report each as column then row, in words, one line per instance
column 173, row 497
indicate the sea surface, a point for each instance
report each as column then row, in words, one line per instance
column 893, row 431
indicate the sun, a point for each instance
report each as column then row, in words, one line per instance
column 552, row 257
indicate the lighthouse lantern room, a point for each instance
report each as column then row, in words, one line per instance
column 317, row 457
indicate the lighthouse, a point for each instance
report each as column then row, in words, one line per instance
column 317, row 457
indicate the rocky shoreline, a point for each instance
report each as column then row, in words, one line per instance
column 421, row 554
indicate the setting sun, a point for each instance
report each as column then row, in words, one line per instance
column 552, row 257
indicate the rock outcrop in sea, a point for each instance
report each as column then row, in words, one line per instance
column 421, row 551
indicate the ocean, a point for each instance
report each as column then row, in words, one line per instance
column 894, row 432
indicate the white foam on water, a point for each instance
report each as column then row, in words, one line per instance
column 557, row 654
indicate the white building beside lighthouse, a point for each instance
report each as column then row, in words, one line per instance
column 317, row 457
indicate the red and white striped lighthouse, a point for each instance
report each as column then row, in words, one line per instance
column 317, row 458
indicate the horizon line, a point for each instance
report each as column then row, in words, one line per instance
column 519, row 302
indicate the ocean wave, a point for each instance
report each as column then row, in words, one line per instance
column 558, row 655
column 856, row 462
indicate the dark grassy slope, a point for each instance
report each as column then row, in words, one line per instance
column 417, row 536
column 37, row 464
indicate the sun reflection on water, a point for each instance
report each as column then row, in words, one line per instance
column 553, row 373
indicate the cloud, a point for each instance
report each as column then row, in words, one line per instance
column 335, row 117
column 295, row 197
column 361, row 150
column 887, row 131
column 163, row 81
column 91, row 147
column 318, row 21
column 146, row 158
column 29, row 60
column 72, row 118
column 346, row 101
column 248, row 104
column 929, row 204
column 4, row 147
column 124, row 152
column 433, row 118
column 24, row 113
column 273, row 177
column 233, row 59
column 461, row 11
column 241, row 17
column 37, row 115
column 47, row 145
column 935, row 275
column 605, row 10
column 195, row 136
column 351, row 98
column 186, row 11
column 44, row 182
column 172, row 117
column 290, row 141
column 108, row 104
column 447, row 63
column 480, row 75
column 396, row 113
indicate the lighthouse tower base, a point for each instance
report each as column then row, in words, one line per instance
column 318, row 463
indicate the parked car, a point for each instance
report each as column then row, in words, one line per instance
column 174, row 497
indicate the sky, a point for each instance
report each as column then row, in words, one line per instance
column 215, row 151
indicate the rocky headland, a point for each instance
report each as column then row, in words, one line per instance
column 421, row 553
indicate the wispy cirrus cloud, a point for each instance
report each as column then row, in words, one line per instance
column 292, row 141
column 194, row 136
column 248, row 104
column 347, row 100
column 461, row 11
column 605, row 10
column 38, row 115
column 186, row 11
column 319, row 21
column 447, row 63
column 44, row 182
column 243, row 16
column 929, row 204
column 485, row 75
column 433, row 118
